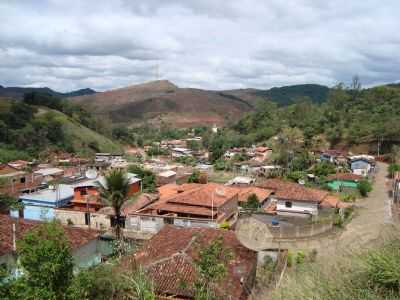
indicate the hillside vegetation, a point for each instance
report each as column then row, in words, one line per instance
column 350, row 116
column 371, row 275
column 41, row 124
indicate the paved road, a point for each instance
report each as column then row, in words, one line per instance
column 372, row 214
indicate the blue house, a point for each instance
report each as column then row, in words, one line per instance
column 39, row 206
column 362, row 164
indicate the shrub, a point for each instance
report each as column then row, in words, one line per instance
column 364, row 187
column 393, row 168
column 224, row 225
column 300, row 257
column 290, row 259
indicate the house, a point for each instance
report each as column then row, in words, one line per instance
column 181, row 152
column 205, row 205
column 87, row 248
column 87, row 208
column 49, row 174
column 166, row 177
column 334, row 156
column 169, row 260
column 18, row 164
column 262, row 153
column 293, row 199
column 40, row 205
column 270, row 170
column 135, row 183
column 14, row 181
column 107, row 157
column 341, row 181
column 362, row 164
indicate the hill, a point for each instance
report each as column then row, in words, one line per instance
column 18, row 92
column 28, row 130
column 162, row 101
column 83, row 140
column 283, row 95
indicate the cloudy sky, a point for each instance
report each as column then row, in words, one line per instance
column 214, row 44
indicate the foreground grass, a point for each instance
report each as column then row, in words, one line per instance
column 371, row 275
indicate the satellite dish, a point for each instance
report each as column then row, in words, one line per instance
column 91, row 174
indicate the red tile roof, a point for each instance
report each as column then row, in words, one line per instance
column 293, row 191
column 345, row 177
column 140, row 202
column 245, row 192
column 76, row 236
column 168, row 258
column 333, row 202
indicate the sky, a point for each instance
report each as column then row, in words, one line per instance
column 210, row 44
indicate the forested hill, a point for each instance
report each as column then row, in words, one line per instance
column 18, row 92
column 41, row 124
column 348, row 117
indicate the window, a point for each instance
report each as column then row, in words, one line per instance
column 22, row 180
column 288, row 204
column 83, row 192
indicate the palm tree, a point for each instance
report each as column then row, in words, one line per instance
column 115, row 192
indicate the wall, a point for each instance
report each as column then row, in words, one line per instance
column 134, row 188
column 100, row 221
column 77, row 217
column 38, row 213
column 90, row 254
column 151, row 224
column 297, row 207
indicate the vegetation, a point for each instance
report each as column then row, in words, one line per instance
column 148, row 178
column 393, row 168
column 211, row 268
column 115, row 194
column 371, row 275
column 9, row 202
column 252, row 202
column 194, row 177
column 42, row 123
column 45, row 257
column 350, row 116
column 364, row 187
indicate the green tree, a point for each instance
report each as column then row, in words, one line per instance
column 45, row 257
column 148, row 178
column 194, row 177
column 9, row 202
column 211, row 268
column 115, row 193
column 364, row 187
column 252, row 202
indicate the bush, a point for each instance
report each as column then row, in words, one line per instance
column 364, row 187
column 300, row 257
column 194, row 177
column 296, row 176
column 393, row 168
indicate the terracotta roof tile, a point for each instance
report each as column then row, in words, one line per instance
column 345, row 177
column 76, row 236
column 245, row 192
column 293, row 191
column 169, row 255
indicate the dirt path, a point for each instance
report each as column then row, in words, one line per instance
column 372, row 214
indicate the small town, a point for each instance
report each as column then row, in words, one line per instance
column 199, row 150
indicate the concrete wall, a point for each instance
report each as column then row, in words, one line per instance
column 150, row 224
column 76, row 217
column 38, row 213
column 297, row 207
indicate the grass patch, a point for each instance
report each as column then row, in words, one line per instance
column 372, row 275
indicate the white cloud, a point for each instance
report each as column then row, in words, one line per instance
column 201, row 43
